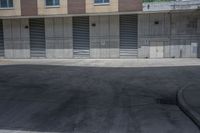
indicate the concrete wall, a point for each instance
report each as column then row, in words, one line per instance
column 149, row 32
column 44, row 10
column 185, row 34
column 104, row 36
column 16, row 38
column 59, row 42
column 15, row 11
column 179, row 32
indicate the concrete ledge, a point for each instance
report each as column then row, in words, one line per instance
column 189, row 101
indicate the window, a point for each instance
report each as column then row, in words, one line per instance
column 6, row 3
column 101, row 1
column 52, row 2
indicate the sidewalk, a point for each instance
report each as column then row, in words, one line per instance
column 122, row 63
column 189, row 101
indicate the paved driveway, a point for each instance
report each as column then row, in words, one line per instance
column 81, row 99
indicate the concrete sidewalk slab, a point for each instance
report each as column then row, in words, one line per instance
column 122, row 63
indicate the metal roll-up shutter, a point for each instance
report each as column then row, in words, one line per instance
column 1, row 40
column 81, row 38
column 128, row 36
column 37, row 38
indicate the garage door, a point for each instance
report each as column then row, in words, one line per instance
column 128, row 36
column 37, row 38
column 81, row 37
column 1, row 39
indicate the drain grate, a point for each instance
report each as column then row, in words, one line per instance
column 166, row 101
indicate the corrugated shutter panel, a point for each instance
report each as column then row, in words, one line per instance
column 128, row 36
column 81, row 38
column 37, row 38
column 1, row 39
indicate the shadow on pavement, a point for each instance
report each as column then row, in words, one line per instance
column 94, row 100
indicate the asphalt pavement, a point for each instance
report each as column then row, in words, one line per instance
column 38, row 98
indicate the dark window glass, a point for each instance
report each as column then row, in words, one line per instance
column 52, row 2
column 6, row 3
column 57, row 2
column 3, row 3
column 10, row 3
column 101, row 1
column 106, row 1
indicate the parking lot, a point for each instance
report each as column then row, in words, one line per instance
column 95, row 96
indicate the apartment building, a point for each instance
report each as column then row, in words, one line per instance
column 95, row 29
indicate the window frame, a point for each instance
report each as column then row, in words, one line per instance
column 102, row 3
column 51, row 6
column 8, row 5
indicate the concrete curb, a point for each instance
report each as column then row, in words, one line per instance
column 187, row 109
